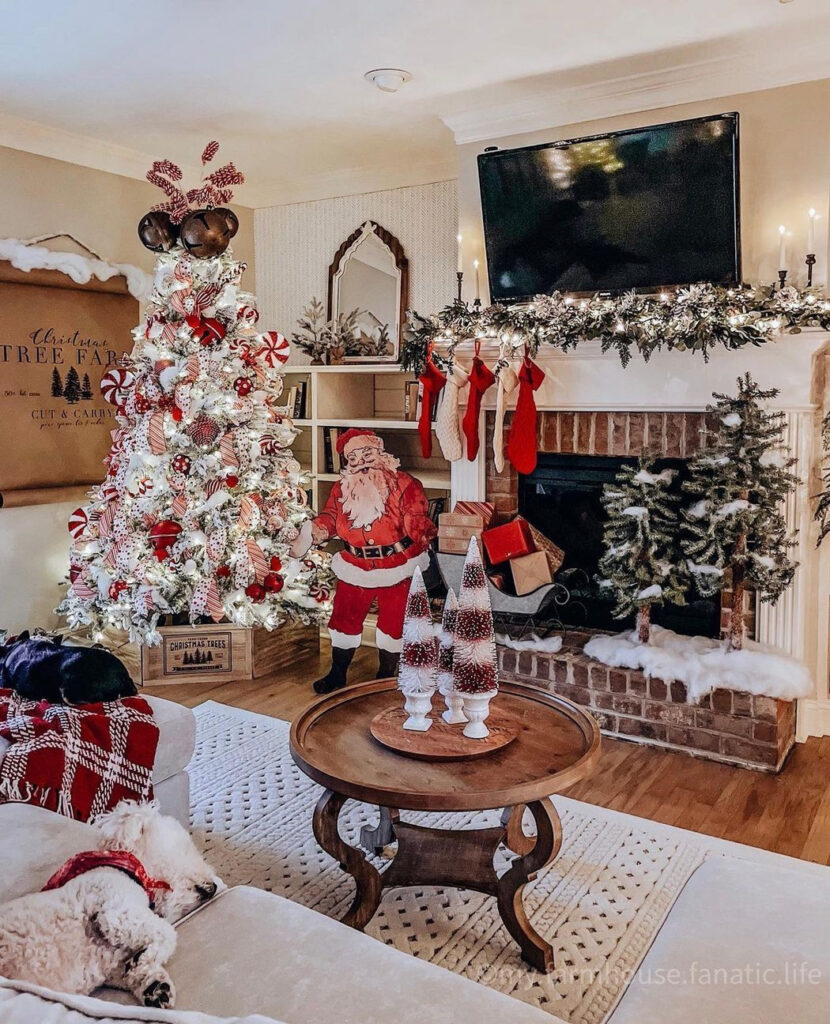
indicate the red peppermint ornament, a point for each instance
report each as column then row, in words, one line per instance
column 181, row 464
column 116, row 384
column 274, row 348
column 320, row 593
column 78, row 522
column 243, row 386
column 248, row 315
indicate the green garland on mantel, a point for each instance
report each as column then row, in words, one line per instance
column 693, row 319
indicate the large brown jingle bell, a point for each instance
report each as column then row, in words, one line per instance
column 157, row 231
column 206, row 233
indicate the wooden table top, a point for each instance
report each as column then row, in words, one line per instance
column 558, row 744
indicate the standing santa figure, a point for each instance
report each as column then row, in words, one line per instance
column 381, row 515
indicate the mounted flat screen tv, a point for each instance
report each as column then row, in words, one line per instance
column 646, row 208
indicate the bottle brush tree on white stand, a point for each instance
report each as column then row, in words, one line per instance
column 639, row 564
column 734, row 532
column 475, row 670
column 419, row 657
column 454, row 715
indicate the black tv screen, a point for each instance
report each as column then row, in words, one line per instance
column 644, row 209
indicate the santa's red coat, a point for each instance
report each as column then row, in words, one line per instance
column 405, row 516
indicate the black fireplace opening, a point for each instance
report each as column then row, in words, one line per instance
column 562, row 498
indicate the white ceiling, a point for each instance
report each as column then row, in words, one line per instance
column 114, row 84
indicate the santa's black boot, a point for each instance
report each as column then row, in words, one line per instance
column 335, row 679
column 387, row 664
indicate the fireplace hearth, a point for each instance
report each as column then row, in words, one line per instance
column 562, row 498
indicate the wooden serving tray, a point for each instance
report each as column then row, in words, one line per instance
column 442, row 742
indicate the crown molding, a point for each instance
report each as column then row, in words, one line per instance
column 44, row 140
column 552, row 100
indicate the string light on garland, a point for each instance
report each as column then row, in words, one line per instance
column 698, row 319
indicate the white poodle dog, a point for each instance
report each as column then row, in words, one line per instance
column 111, row 925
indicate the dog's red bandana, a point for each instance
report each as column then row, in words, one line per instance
column 120, row 859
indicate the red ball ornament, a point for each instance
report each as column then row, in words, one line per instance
column 275, row 564
column 181, row 464
column 243, row 386
column 176, row 413
column 117, row 588
column 161, row 554
column 207, row 330
column 223, row 571
column 142, row 405
column 163, row 535
column 255, row 592
column 273, row 583
column 232, row 481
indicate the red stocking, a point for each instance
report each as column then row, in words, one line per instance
column 522, row 446
column 481, row 378
column 432, row 381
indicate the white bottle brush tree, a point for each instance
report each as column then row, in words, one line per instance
column 419, row 656
column 639, row 564
column 202, row 495
column 734, row 533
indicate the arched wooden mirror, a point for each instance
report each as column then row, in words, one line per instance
column 370, row 273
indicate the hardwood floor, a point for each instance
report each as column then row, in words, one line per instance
column 788, row 813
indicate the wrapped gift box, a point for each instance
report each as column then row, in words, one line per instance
column 530, row 572
column 476, row 508
column 512, row 540
column 455, row 530
column 556, row 556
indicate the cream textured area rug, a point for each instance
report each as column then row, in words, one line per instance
column 600, row 903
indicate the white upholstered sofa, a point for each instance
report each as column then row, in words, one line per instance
column 249, row 952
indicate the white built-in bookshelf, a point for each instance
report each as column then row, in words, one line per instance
column 360, row 395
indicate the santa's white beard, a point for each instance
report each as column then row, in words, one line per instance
column 365, row 493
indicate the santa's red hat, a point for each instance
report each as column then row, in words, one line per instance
column 357, row 437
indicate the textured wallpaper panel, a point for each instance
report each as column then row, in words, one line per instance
column 295, row 245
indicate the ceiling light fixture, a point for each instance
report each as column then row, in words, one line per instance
column 388, row 79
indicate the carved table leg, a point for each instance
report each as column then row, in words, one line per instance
column 516, row 840
column 375, row 839
column 367, row 878
column 524, row 869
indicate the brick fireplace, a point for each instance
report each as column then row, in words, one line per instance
column 737, row 728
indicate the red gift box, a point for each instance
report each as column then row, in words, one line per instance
column 511, row 540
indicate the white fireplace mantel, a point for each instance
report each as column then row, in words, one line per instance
column 587, row 379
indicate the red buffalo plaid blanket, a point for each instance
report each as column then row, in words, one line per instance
column 78, row 761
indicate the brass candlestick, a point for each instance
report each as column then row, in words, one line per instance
column 459, row 277
column 782, row 279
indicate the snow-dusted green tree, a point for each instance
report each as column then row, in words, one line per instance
column 639, row 564
column 822, row 514
column 734, row 530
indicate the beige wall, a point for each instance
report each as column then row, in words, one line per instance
column 785, row 170
column 41, row 196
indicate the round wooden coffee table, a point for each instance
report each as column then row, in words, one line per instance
column 558, row 744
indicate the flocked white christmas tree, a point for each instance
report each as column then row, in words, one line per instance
column 475, row 668
column 734, row 531
column 639, row 562
column 454, row 715
column 417, row 672
column 203, row 495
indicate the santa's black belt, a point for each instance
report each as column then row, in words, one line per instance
column 381, row 550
